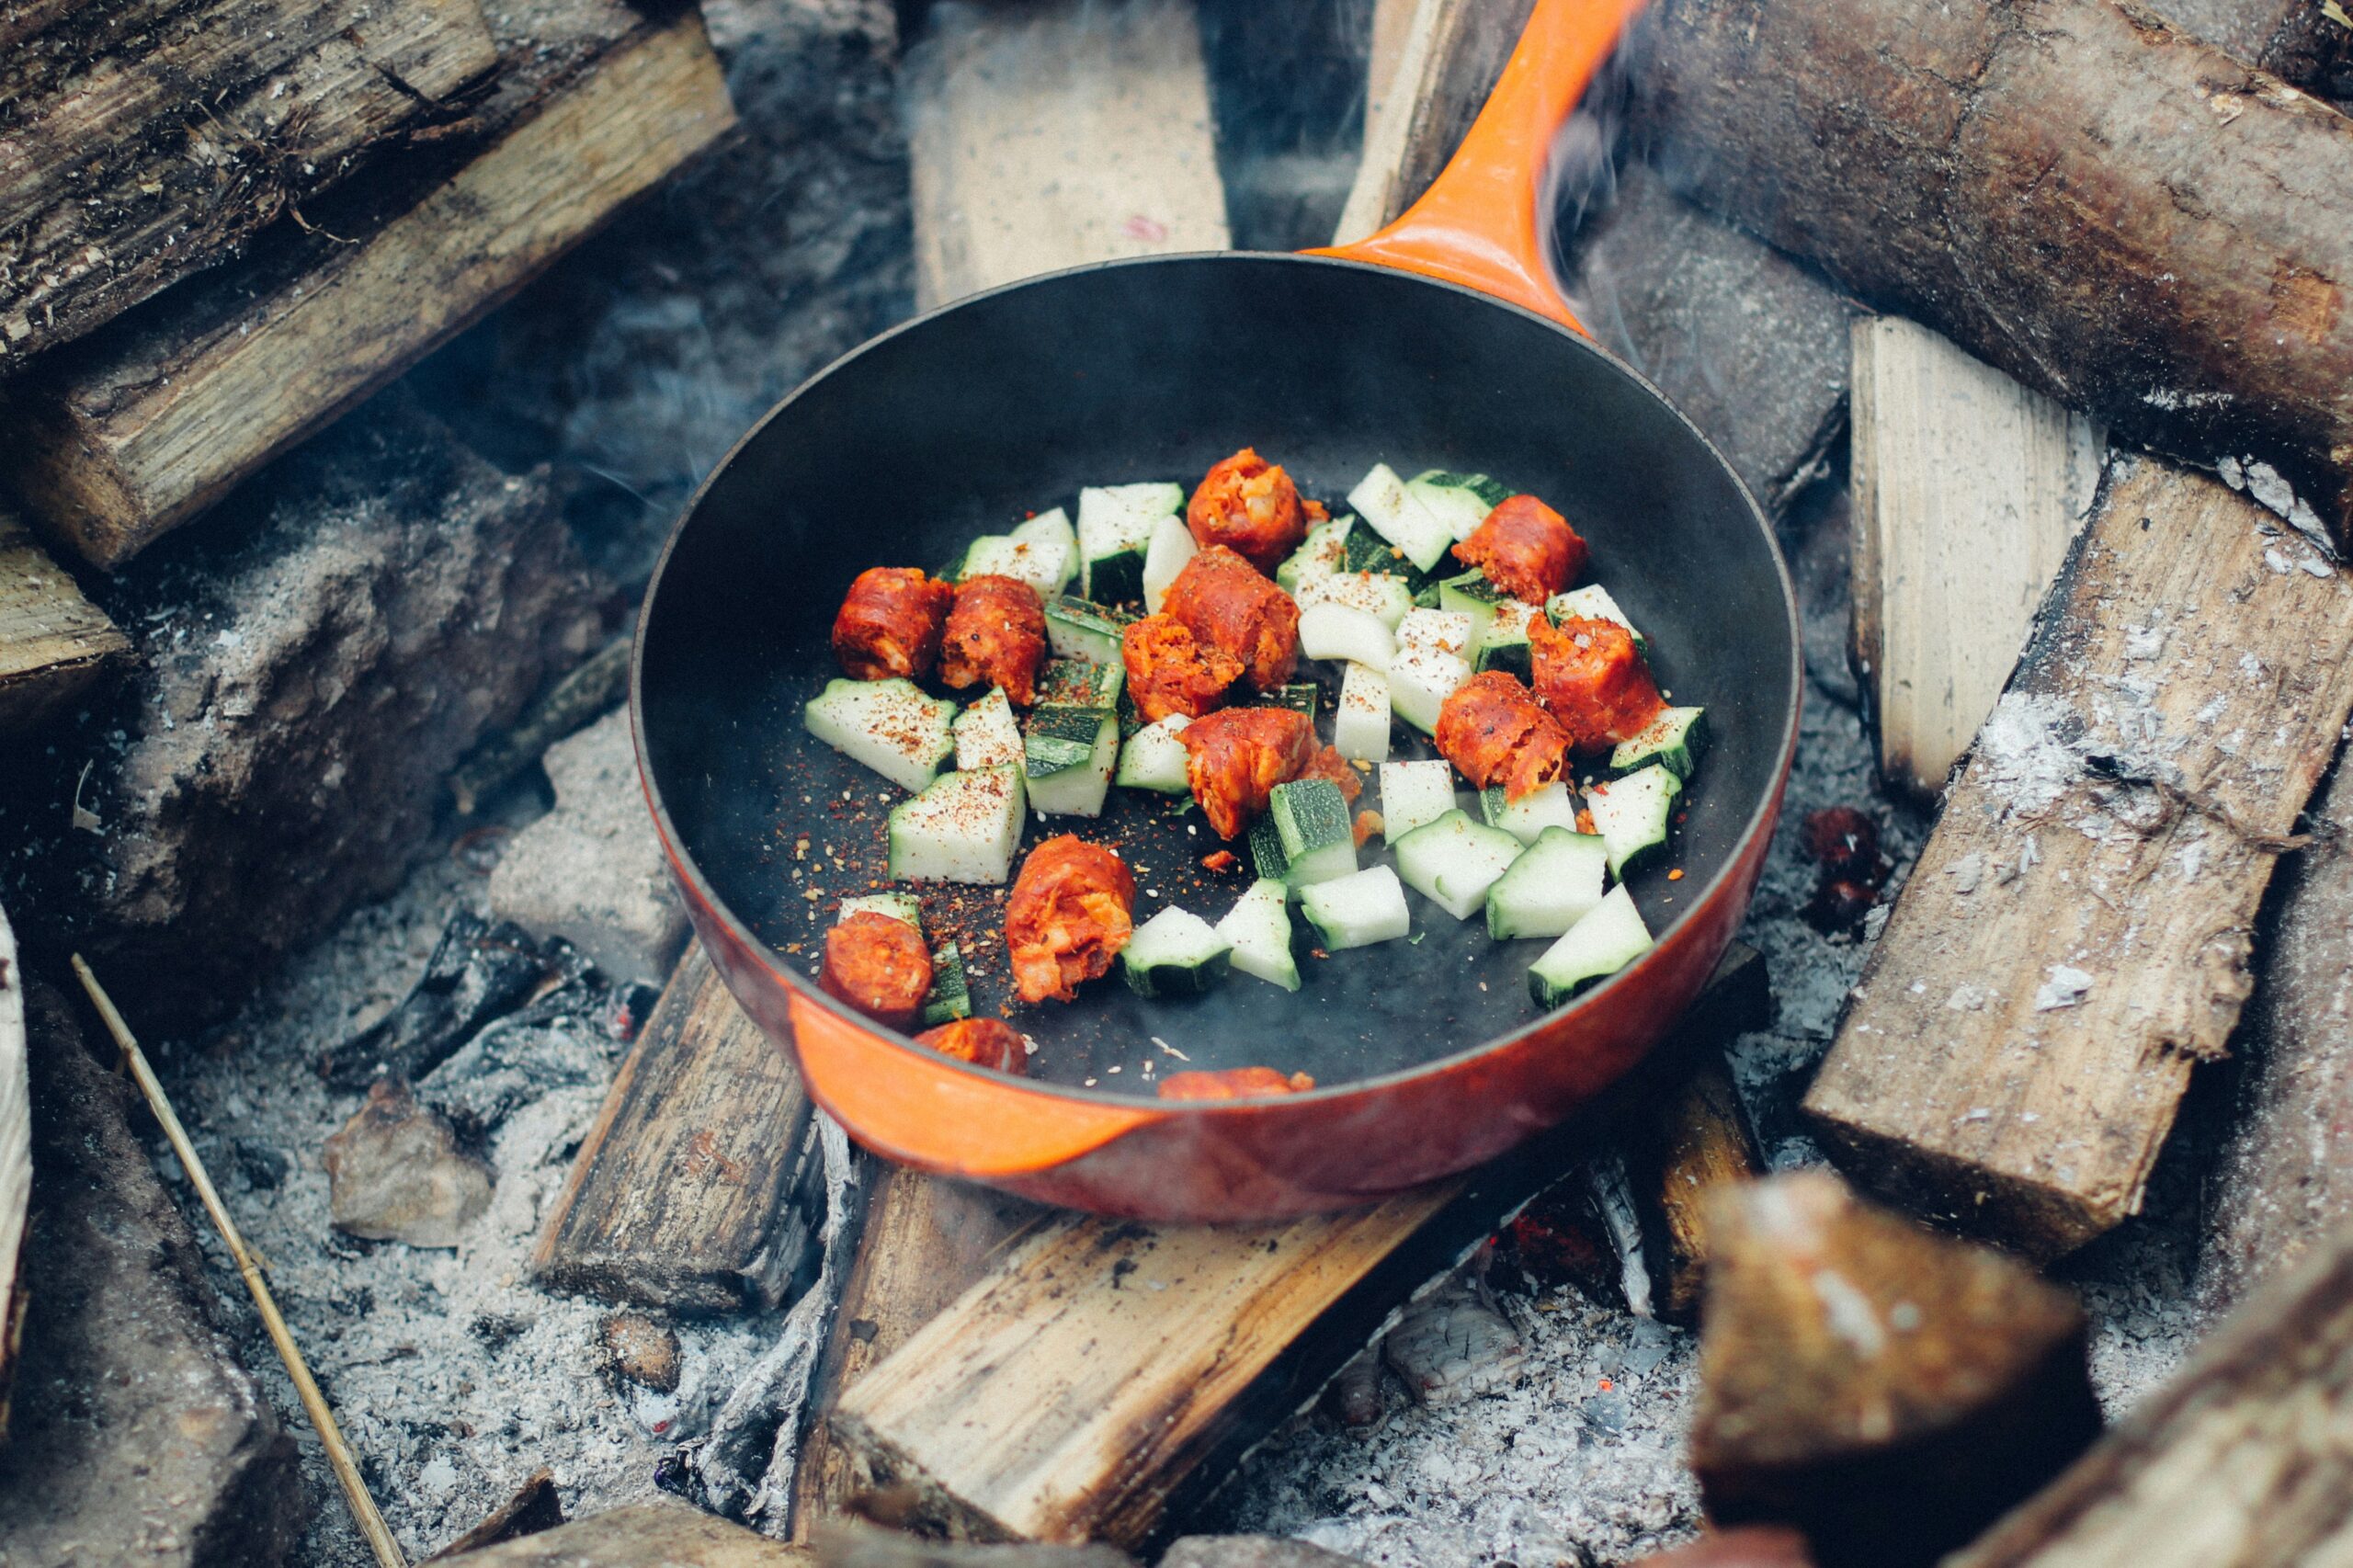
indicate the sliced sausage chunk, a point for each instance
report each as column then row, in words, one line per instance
column 1591, row 678
column 1249, row 505
column 983, row 1042
column 1494, row 732
column 1223, row 601
column 1068, row 918
column 1170, row 671
column 879, row 966
column 1232, row 1084
column 1235, row 757
column 890, row 624
column 994, row 636
column 1329, row 764
column 1526, row 549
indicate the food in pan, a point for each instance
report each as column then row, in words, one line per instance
column 1157, row 648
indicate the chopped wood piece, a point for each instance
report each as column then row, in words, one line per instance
column 2119, row 216
column 1698, row 1143
column 1104, row 1372
column 844, row 1545
column 15, row 1159
column 1051, row 134
column 1442, row 58
column 132, row 432
column 2074, row 936
column 536, row 1506
column 1887, row 1391
column 148, row 139
column 2296, row 40
column 644, row 1535
column 53, row 641
column 2241, row 1459
column 2285, row 1179
column 1967, row 490
column 680, row 1196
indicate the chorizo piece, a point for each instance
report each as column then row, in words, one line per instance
column 1526, row 549
column 1249, row 505
column 1329, row 764
column 1494, row 732
column 879, row 966
column 1235, row 757
column 1223, row 600
column 995, row 636
column 1068, row 918
column 983, row 1042
column 1232, row 1084
column 1169, row 672
column 1592, row 678
column 890, row 624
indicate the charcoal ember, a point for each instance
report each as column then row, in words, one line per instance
column 1839, row 905
column 478, row 972
column 395, row 1172
column 264, row 1166
column 1451, row 1346
column 638, row 1349
column 559, row 1042
column 1353, row 1397
column 134, row 1436
column 536, row 1506
column 1845, row 840
column 1559, row 1239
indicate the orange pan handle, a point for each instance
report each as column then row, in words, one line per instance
column 933, row 1115
column 1479, row 223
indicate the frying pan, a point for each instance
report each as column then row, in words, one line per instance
column 1441, row 342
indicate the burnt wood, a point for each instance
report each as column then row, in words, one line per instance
column 2119, row 216
column 53, row 641
column 1696, row 1143
column 2076, row 935
column 643, row 1535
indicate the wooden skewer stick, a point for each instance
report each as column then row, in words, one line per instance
column 314, row 1404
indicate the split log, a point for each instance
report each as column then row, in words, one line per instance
column 536, row 1506
column 681, row 1195
column 15, row 1160
column 1105, row 1373
column 644, row 1535
column 1434, row 64
column 147, row 141
column 2296, row 40
column 2284, row 1181
column 2241, row 1459
column 2123, row 218
column 1967, row 490
column 1886, row 1391
column 53, row 641
column 2075, row 937
column 841, row 1544
column 1696, row 1144
column 133, row 431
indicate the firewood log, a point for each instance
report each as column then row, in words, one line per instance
column 15, row 1159
column 53, row 641
column 2121, row 217
column 2296, row 40
column 643, row 1535
column 149, row 139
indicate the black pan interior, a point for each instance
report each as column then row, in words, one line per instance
column 963, row 423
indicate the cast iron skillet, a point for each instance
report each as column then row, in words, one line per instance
column 1428, row 1056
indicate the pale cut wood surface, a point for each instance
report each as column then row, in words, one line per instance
column 1698, row 1145
column 148, row 139
column 1054, row 133
column 15, row 1159
column 2076, row 935
column 644, row 1535
column 2244, row 1461
column 679, row 1195
column 138, row 429
column 1967, row 489
column 53, row 641
column 1448, row 57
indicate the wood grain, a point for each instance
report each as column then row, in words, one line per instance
column 128, row 433
column 1967, row 490
column 1448, row 54
column 679, row 1195
column 15, row 1160
column 2242, row 1459
column 1697, row 1145
column 148, row 139
column 644, row 1535
column 2076, row 935
column 53, row 641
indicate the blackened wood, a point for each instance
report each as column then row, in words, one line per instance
column 680, row 1197
column 2076, row 935
column 2119, row 216
column 2296, row 40
column 643, row 1535
column 15, row 1160
column 53, row 641
column 1694, row 1144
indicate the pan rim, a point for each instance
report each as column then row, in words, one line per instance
column 1758, row 821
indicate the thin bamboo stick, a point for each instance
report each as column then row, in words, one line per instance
column 314, row 1404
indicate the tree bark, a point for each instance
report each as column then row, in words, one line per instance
column 2119, row 216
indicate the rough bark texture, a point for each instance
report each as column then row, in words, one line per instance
column 15, row 1160
column 2296, row 40
column 2115, row 214
column 1886, row 1391
column 309, row 673
column 2285, row 1179
column 681, row 1194
column 2076, row 934
column 144, row 142
column 1696, row 1144
column 137, row 1437
column 2241, row 1459
column 53, row 641
column 137, row 427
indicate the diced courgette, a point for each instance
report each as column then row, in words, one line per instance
column 1633, row 815
column 1043, row 553
column 1339, row 632
column 1115, row 527
column 1077, row 683
column 1381, row 499
column 1453, row 861
column 1359, row 910
column 1312, row 818
column 1366, row 552
column 1470, row 593
column 1175, row 953
column 1320, row 554
column 1068, row 756
column 952, row 996
column 1504, row 644
column 987, row 734
column 1084, row 630
column 1164, row 556
column 1385, row 598
column 1420, row 680
column 1673, row 740
column 1413, row 793
column 1267, row 855
column 1591, row 602
column 1527, row 818
column 888, row 725
column 1154, row 757
column 1300, row 697
column 964, row 828
column 1462, row 500
column 1446, row 630
column 1258, row 928
column 1360, row 723
column 1556, row 882
column 1596, row 947
column 897, row 905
